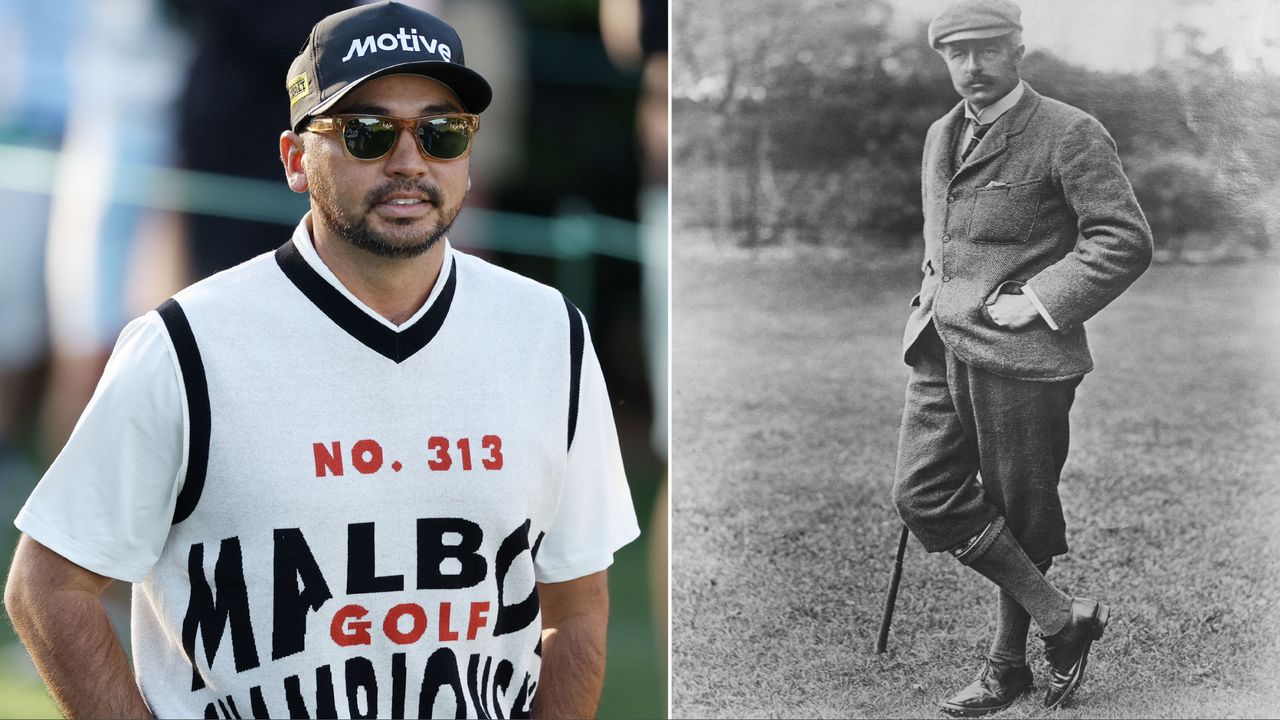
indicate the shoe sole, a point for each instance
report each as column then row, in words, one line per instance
column 1100, row 620
column 957, row 711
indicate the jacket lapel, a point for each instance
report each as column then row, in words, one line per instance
column 1009, row 124
column 943, row 152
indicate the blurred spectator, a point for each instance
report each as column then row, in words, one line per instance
column 34, row 42
column 494, row 161
column 123, row 68
column 635, row 32
column 233, row 108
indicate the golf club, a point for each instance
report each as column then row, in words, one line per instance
column 891, row 597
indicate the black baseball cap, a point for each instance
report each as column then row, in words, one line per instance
column 350, row 47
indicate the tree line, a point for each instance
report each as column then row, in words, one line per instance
column 813, row 131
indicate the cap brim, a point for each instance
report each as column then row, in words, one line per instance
column 979, row 34
column 472, row 89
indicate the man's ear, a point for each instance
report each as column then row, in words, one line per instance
column 1019, row 53
column 291, row 157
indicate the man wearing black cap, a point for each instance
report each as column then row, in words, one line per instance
column 1030, row 228
column 365, row 475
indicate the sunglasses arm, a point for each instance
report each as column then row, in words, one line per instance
column 321, row 124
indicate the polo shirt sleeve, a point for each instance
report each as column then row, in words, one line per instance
column 107, row 502
column 595, row 516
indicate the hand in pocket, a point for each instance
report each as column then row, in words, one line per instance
column 1013, row 312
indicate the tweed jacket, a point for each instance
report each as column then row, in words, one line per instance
column 1041, row 202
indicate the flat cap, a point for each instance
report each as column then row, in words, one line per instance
column 974, row 20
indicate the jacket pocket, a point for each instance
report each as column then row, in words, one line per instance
column 1005, row 214
column 1008, row 287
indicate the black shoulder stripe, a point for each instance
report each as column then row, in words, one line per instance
column 197, row 388
column 576, row 343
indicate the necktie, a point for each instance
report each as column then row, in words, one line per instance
column 978, row 132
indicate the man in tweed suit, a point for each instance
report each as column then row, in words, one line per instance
column 1030, row 228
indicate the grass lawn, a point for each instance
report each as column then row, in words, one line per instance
column 635, row 673
column 787, row 395
column 21, row 697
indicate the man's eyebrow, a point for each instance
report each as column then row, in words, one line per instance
column 365, row 109
column 441, row 107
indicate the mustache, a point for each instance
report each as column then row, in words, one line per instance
column 422, row 187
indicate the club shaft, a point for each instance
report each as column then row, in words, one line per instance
column 891, row 597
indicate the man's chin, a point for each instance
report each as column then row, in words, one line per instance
column 398, row 237
column 386, row 235
column 402, row 230
column 978, row 99
column 397, row 246
column 406, row 224
column 986, row 95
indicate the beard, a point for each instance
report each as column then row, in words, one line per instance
column 355, row 228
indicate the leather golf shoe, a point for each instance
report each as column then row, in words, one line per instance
column 1068, row 649
column 996, row 688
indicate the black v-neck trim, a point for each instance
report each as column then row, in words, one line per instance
column 396, row 346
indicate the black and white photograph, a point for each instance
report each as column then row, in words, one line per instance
column 975, row 391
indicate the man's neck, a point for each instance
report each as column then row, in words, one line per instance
column 395, row 288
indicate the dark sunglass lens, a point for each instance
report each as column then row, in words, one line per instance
column 445, row 138
column 368, row 138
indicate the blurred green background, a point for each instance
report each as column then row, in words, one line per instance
column 796, row 215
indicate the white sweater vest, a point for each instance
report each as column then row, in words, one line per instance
column 365, row 511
